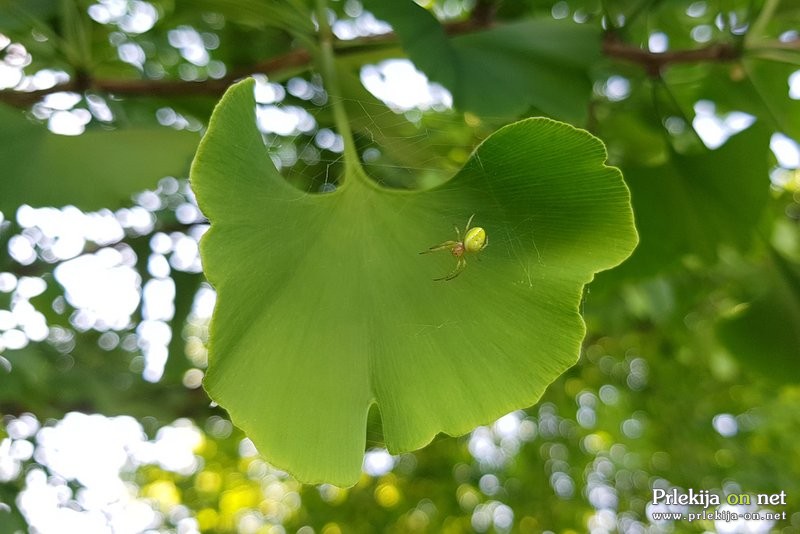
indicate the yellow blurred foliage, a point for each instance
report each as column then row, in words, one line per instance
column 207, row 519
column 208, row 482
column 331, row 528
column 164, row 492
column 387, row 495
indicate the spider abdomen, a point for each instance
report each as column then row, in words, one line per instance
column 474, row 241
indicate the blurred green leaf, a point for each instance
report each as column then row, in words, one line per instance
column 260, row 13
column 186, row 286
column 325, row 305
column 694, row 203
column 771, row 81
column 94, row 170
column 50, row 383
column 765, row 333
column 11, row 521
column 505, row 70
column 77, row 33
column 406, row 147
column 16, row 16
column 538, row 62
column 422, row 37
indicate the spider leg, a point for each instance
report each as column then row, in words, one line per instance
column 485, row 244
column 447, row 245
column 460, row 266
column 469, row 223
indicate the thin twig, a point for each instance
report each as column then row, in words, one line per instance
column 481, row 19
column 654, row 62
column 121, row 87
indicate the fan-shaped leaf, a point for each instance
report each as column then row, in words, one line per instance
column 98, row 169
column 325, row 305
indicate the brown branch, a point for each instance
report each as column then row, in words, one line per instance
column 654, row 62
column 482, row 18
column 121, row 87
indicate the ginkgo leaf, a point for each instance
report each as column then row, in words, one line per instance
column 505, row 69
column 98, row 169
column 764, row 333
column 325, row 305
column 691, row 204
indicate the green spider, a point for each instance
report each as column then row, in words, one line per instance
column 475, row 240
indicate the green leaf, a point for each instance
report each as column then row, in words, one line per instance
column 291, row 16
column 694, row 203
column 186, row 286
column 16, row 16
column 403, row 144
column 40, row 379
column 325, row 305
column 11, row 520
column 755, row 85
column 94, row 170
column 422, row 37
column 537, row 62
column 504, row 70
column 771, row 82
column 764, row 334
column 77, row 31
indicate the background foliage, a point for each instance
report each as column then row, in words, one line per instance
column 688, row 376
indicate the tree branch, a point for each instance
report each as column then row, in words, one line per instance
column 482, row 18
column 120, row 87
column 654, row 62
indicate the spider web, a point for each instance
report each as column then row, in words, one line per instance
column 393, row 149
column 411, row 150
